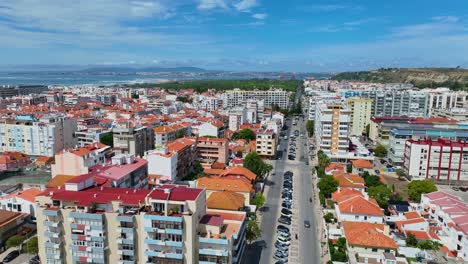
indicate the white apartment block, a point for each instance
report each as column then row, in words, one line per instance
column 239, row 97
column 443, row 98
column 162, row 163
column 439, row 160
column 332, row 128
column 168, row 224
column 37, row 137
column 399, row 103
column 314, row 98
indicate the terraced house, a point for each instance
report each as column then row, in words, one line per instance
column 169, row 224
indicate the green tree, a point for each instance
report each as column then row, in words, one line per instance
column 401, row 174
column 327, row 185
column 180, row 134
column 108, row 139
column 14, row 241
column 429, row 245
column 252, row 231
column 416, row 188
column 411, row 240
column 32, row 246
column 349, row 167
column 255, row 164
column 371, row 180
column 380, row 151
column 310, row 127
column 245, row 133
column 329, row 217
column 323, row 160
column 381, row 194
column 259, row 200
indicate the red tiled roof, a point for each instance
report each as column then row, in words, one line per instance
column 176, row 193
column 359, row 205
column 362, row 164
column 365, row 234
column 212, row 220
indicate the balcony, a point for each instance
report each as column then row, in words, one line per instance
column 126, row 252
column 125, row 230
column 219, row 241
column 214, row 252
column 163, row 254
column 52, row 234
column 125, row 218
column 158, row 217
column 52, row 223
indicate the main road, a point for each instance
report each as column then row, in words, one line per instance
column 306, row 248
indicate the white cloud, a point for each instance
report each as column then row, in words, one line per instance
column 260, row 16
column 212, row 4
column 446, row 19
column 245, row 5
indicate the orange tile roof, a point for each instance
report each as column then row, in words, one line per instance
column 362, row 164
column 225, row 201
column 28, row 194
column 58, row 180
column 221, row 184
column 216, row 172
column 241, row 171
column 335, row 166
column 401, row 224
column 344, row 194
column 359, row 205
column 420, row 235
column 412, row 215
column 365, row 234
column 348, row 180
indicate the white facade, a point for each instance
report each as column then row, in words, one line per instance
column 162, row 163
column 438, row 160
column 238, row 97
column 332, row 128
column 37, row 137
column 207, row 129
column 399, row 103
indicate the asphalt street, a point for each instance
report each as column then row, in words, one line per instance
column 306, row 248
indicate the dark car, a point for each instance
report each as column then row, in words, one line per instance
column 286, row 211
column 11, row 256
column 284, row 220
column 35, row 260
column 377, row 171
column 282, row 228
column 306, row 223
column 389, row 166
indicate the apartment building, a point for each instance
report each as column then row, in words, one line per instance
column 213, row 128
column 361, row 110
column 239, row 97
column 165, row 134
column 426, row 130
column 398, row 102
column 78, row 161
column 332, row 128
column 90, row 135
column 459, row 114
column 133, row 140
column 162, row 165
column 13, row 161
column 37, row 136
column 168, row 224
column 440, row 159
column 444, row 98
column 266, row 143
column 314, row 98
column 212, row 150
column 237, row 117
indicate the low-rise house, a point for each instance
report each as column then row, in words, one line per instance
column 362, row 237
column 225, row 201
column 360, row 166
column 359, row 209
column 13, row 161
column 21, row 202
column 350, row 181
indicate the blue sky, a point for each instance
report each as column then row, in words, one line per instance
column 294, row 35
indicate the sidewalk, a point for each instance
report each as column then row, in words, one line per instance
column 321, row 227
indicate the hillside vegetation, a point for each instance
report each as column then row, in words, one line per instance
column 203, row 85
column 454, row 78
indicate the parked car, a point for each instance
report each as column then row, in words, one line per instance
column 284, row 220
column 11, row 256
column 306, row 223
column 286, row 211
column 282, row 227
column 35, row 260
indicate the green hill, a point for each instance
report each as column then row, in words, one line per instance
column 454, row 78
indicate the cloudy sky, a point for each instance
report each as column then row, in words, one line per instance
column 294, row 35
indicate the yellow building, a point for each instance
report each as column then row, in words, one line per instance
column 361, row 110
